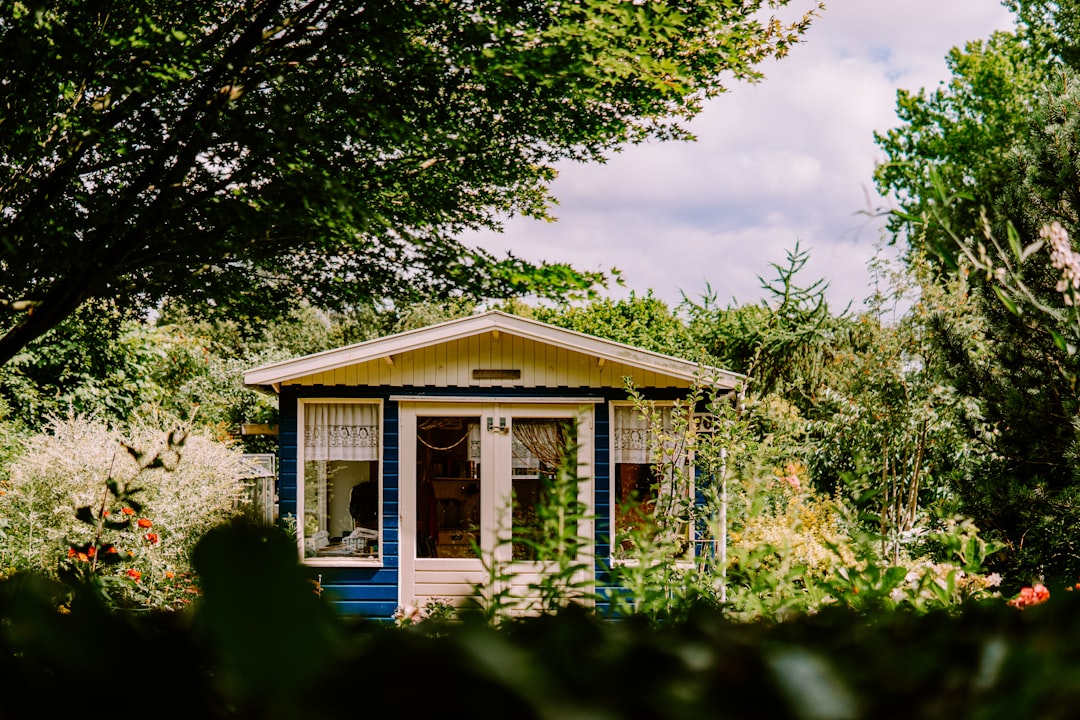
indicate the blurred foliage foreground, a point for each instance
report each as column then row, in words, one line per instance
column 261, row 642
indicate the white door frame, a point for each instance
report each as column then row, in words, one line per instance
column 496, row 484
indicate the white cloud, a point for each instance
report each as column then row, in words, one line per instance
column 788, row 159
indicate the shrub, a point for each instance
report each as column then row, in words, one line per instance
column 83, row 490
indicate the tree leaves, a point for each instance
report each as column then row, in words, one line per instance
column 254, row 155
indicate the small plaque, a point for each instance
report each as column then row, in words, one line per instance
column 496, row 374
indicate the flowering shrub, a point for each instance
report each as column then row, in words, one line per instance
column 86, row 501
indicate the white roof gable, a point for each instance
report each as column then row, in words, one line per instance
column 493, row 320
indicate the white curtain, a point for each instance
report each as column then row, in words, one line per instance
column 341, row 431
column 474, row 441
column 633, row 436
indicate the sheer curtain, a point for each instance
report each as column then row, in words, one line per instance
column 632, row 435
column 341, row 431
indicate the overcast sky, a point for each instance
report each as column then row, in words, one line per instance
column 786, row 160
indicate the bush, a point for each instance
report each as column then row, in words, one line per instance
column 261, row 643
column 126, row 507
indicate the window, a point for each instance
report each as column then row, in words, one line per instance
column 341, row 485
column 539, row 447
column 653, row 490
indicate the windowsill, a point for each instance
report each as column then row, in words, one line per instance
column 682, row 563
column 342, row 562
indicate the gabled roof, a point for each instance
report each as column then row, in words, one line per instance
column 493, row 320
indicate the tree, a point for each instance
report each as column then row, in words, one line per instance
column 253, row 153
column 784, row 343
column 995, row 157
column 954, row 141
column 643, row 321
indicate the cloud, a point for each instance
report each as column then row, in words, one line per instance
column 786, row 160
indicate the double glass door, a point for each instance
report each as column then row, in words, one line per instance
column 474, row 476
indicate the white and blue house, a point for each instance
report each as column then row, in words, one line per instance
column 399, row 456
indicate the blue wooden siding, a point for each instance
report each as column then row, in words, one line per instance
column 372, row 592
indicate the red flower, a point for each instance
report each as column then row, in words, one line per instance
column 71, row 552
column 144, row 523
column 151, row 538
column 127, row 511
column 1031, row 596
column 135, row 574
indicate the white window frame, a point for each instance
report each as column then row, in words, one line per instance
column 301, row 481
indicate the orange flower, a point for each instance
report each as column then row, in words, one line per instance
column 151, row 538
column 71, row 552
column 83, row 557
column 144, row 523
column 111, row 550
column 135, row 574
column 169, row 574
column 127, row 511
column 91, row 551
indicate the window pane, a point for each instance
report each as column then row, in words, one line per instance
column 447, row 486
column 649, row 466
column 341, row 480
column 538, row 449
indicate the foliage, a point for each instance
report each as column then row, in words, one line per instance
column 889, row 431
column 253, row 154
column 100, row 360
column 73, row 495
column 288, row 656
column 641, row 321
column 784, row 344
column 1018, row 370
column 956, row 139
column 979, row 169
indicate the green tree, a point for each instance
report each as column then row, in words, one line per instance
column 992, row 160
column 254, row 153
column 643, row 321
column 955, row 140
column 784, row 343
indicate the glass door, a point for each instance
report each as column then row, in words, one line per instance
column 449, row 491
column 539, row 450
column 476, row 481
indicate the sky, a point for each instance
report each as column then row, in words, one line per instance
column 784, row 161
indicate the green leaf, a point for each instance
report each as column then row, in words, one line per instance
column 1059, row 340
column 1007, row 301
column 1014, row 241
